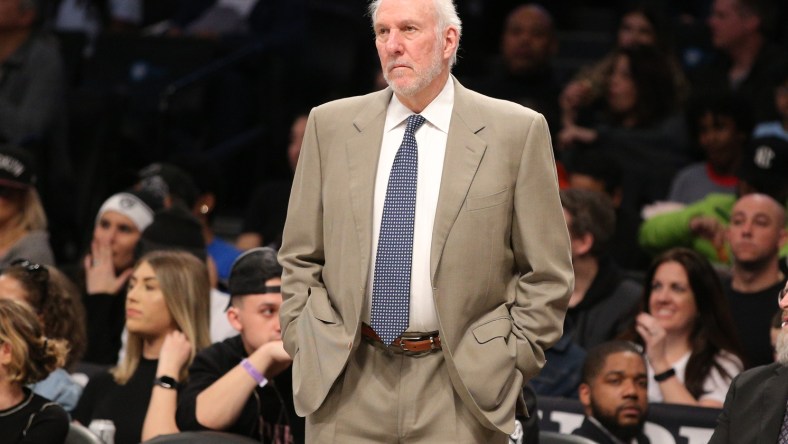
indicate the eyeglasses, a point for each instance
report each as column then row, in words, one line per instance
column 37, row 273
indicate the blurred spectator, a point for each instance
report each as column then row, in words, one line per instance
column 598, row 170
column 267, row 210
column 686, row 327
column 167, row 320
column 524, row 72
column 604, row 301
column 31, row 77
column 720, row 125
column 756, row 233
column 779, row 127
column 640, row 25
column 28, row 357
column 638, row 126
column 746, row 62
column 56, row 301
column 178, row 188
column 613, row 394
column 701, row 225
column 105, row 270
column 23, row 222
column 33, row 107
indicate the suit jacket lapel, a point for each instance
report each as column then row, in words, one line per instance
column 774, row 394
column 464, row 152
column 363, row 152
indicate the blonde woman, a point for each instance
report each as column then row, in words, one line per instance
column 23, row 222
column 27, row 356
column 167, row 306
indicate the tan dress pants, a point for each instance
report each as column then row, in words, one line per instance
column 385, row 397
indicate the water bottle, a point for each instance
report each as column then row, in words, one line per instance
column 104, row 429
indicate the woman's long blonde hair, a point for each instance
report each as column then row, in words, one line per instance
column 183, row 280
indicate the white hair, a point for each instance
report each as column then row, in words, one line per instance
column 446, row 15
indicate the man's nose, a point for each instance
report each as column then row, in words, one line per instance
column 746, row 228
column 629, row 388
column 394, row 42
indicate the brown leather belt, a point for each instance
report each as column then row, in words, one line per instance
column 411, row 344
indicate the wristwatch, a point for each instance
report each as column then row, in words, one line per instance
column 167, row 382
column 664, row 376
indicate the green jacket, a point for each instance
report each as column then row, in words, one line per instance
column 672, row 229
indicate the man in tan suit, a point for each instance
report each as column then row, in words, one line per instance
column 489, row 271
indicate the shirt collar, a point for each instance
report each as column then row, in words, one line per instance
column 437, row 113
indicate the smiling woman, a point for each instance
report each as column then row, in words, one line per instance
column 686, row 328
column 167, row 308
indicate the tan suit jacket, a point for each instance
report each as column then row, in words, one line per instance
column 500, row 261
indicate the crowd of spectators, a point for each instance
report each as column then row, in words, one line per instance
column 128, row 127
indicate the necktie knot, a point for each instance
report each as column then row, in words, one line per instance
column 415, row 121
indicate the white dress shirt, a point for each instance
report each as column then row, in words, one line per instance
column 431, row 140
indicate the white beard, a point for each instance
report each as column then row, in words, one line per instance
column 782, row 347
column 424, row 78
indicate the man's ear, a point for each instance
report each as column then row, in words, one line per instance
column 584, row 394
column 581, row 245
column 450, row 40
column 235, row 319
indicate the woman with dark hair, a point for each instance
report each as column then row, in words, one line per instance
column 686, row 328
column 639, row 125
column 27, row 356
column 640, row 25
column 56, row 301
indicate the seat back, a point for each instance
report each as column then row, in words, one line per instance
column 79, row 434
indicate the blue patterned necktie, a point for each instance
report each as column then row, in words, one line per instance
column 783, row 438
column 391, row 284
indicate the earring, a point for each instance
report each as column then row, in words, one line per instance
column 204, row 209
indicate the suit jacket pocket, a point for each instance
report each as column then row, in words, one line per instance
column 497, row 328
column 491, row 200
column 320, row 306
